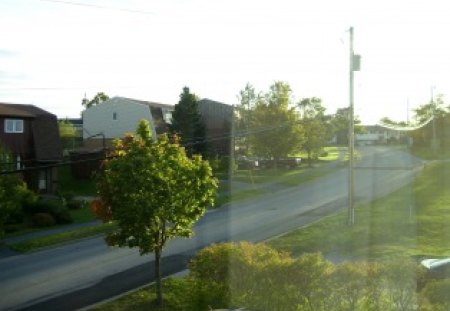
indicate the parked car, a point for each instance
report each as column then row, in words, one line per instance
column 247, row 163
column 291, row 162
column 437, row 268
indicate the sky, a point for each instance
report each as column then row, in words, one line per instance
column 54, row 52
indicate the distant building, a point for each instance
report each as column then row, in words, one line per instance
column 31, row 135
column 217, row 118
column 119, row 115
column 376, row 134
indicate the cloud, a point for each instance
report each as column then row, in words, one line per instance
column 7, row 77
column 7, row 53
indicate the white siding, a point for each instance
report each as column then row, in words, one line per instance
column 99, row 118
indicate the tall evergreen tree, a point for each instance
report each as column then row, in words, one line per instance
column 187, row 123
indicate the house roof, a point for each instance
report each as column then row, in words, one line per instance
column 14, row 110
column 147, row 103
column 156, row 110
column 47, row 143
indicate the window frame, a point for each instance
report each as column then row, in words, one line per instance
column 15, row 128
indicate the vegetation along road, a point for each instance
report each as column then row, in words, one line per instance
column 90, row 270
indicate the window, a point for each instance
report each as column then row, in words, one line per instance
column 13, row 126
column 114, row 116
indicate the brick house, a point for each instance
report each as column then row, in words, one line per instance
column 31, row 136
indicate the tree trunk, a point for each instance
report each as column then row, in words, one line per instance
column 309, row 158
column 159, row 299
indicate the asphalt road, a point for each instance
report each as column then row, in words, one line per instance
column 79, row 274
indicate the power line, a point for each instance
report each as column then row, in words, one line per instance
column 96, row 6
column 218, row 138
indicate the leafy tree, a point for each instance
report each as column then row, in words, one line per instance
column 12, row 190
column 154, row 192
column 402, row 275
column 188, row 124
column 340, row 125
column 388, row 121
column 276, row 130
column 437, row 126
column 243, row 113
column 314, row 125
column 97, row 99
column 310, row 274
column 434, row 108
column 66, row 129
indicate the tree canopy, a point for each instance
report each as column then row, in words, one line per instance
column 188, row 124
column 12, row 190
column 97, row 99
column 275, row 128
column 314, row 125
column 340, row 125
column 154, row 192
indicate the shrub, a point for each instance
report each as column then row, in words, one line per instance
column 239, row 274
column 63, row 217
column 52, row 207
column 43, row 220
column 437, row 293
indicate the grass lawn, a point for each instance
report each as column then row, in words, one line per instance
column 58, row 238
column 412, row 221
column 175, row 291
column 333, row 153
column 428, row 154
column 82, row 215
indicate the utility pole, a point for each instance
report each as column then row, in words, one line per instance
column 434, row 142
column 354, row 66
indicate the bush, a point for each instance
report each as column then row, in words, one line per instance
column 437, row 293
column 222, row 164
column 53, row 207
column 43, row 220
column 63, row 217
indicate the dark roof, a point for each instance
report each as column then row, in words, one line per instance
column 17, row 110
column 147, row 103
column 47, row 143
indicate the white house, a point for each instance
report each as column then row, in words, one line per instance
column 119, row 115
column 376, row 134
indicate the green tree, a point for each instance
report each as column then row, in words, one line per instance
column 340, row 125
column 97, row 99
column 12, row 190
column 66, row 129
column 437, row 127
column 435, row 108
column 314, row 125
column 154, row 192
column 402, row 275
column 310, row 274
column 243, row 113
column 275, row 126
column 188, row 124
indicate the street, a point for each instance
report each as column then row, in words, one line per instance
column 81, row 273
